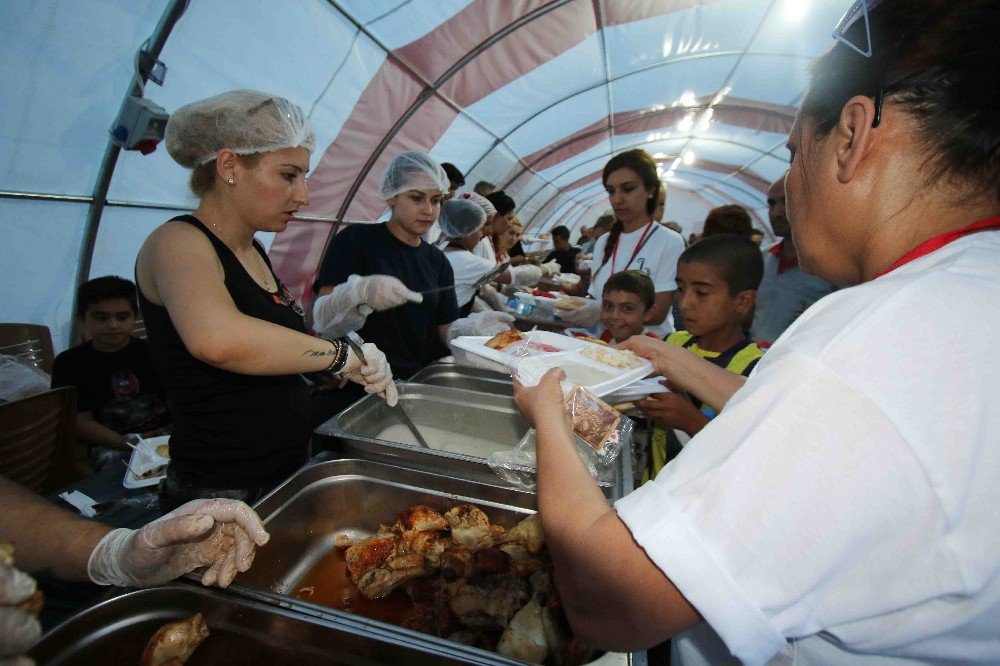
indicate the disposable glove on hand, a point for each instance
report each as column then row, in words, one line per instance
column 374, row 374
column 218, row 533
column 481, row 323
column 551, row 268
column 587, row 315
column 19, row 630
column 336, row 313
column 525, row 275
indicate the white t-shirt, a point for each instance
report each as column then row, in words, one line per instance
column 658, row 256
column 846, row 503
column 485, row 250
column 468, row 268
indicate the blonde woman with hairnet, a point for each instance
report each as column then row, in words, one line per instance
column 224, row 334
column 372, row 276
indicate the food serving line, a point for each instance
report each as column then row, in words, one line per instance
column 276, row 612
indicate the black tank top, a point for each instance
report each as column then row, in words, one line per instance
column 231, row 430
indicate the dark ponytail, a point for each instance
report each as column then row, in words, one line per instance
column 616, row 231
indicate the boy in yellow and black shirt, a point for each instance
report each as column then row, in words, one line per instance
column 717, row 280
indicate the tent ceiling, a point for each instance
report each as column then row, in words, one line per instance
column 533, row 95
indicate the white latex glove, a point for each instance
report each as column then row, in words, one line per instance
column 587, row 315
column 374, row 375
column 19, row 631
column 337, row 313
column 551, row 268
column 480, row 323
column 525, row 275
column 218, row 533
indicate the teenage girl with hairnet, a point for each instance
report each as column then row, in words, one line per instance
column 372, row 276
column 227, row 339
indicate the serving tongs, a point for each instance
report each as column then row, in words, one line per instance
column 480, row 283
column 398, row 408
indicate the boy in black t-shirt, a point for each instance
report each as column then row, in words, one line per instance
column 564, row 254
column 117, row 389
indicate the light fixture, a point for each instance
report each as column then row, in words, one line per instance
column 706, row 120
column 688, row 99
column 689, row 157
column 795, row 10
column 686, row 123
column 670, row 173
column 676, row 164
column 659, row 156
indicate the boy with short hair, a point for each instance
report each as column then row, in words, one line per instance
column 717, row 280
column 562, row 253
column 117, row 388
column 626, row 306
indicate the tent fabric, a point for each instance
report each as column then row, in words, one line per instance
column 532, row 95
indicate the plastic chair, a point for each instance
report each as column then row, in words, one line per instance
column 31, row 343
column 36, row 439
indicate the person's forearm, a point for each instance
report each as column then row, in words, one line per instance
column 601, row 574
column 91, row 431
column 713, row 385
column 45, row 537
column 251, row 346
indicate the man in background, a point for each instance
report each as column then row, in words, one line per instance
column 786, row 290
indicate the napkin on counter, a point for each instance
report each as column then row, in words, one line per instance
column 83, row 503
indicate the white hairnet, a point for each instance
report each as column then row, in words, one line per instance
column 460, row 218
column 413, row 170
column 244, row 121
column 481, row 201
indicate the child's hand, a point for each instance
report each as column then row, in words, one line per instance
column 543, row 401
column 673, row 410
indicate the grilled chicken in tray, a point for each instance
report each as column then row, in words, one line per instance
column 469, row 581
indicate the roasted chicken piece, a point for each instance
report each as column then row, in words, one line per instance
column 364, row 556
column 488, row 602
column 174, row 643
column 420, row 519
column 528, row 533
column 455, row 562
column 470, row 527
column 525, row 636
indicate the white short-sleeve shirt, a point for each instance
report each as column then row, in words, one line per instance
column 468, row 268
column 845, row 505
column 658, row 256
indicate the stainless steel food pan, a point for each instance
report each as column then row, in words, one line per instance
column 242, row 632
column 492, row 418
column 353, row 497
column 465, row 377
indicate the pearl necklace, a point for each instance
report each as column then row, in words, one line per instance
column 262, row 273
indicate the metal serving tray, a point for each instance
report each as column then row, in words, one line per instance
column 242, row 632
column 465, row 377
column 305, row 513
column 492, row 418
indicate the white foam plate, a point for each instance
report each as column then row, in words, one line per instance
column 148, row 447
column 599, row 378
column 636, row 391
column 472, row 349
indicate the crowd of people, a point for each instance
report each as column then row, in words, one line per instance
column 833, row 501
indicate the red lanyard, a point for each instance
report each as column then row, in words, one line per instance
column 638, row 246
column 938, row 242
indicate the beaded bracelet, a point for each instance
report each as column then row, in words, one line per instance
column 340, row 359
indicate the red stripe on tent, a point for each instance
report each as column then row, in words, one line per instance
column 392, row 92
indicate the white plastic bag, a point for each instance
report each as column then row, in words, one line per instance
column 20, row 380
